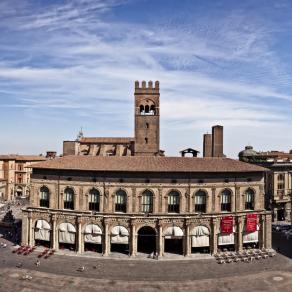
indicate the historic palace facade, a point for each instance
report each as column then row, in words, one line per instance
column 146, row 202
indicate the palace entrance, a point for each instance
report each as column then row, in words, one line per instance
column 146, row 240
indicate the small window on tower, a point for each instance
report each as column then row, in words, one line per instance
column 146, row 140
column 147, row 125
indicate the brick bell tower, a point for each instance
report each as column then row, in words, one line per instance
column 147, row 140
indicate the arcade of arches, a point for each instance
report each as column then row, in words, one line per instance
column 133, row 235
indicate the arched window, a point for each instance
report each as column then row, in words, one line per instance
column 249, row 199
column 69, row 199
column 173, row 202
column 94, row 199
column 200, row 201
column 226, row 200
column 147, row 202
column 44, row 197
column 121, row 201
column 281, row 181
column 152, row 109
column 147, row 109
column 141, row 109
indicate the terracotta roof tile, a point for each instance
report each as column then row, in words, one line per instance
column 149, row 164
column 106, row 140
column 22, row 157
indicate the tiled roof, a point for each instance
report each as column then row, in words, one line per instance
column 106, row 140
column 149, row 164
column 22, row 157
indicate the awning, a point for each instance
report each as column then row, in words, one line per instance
column 43, row 224
column 92, row 229
column 200, row 231
column 173, row 231
column 225, row 239
column 67, row 233
column 200, row 236
column 67, row 227
column 119, row 234
column 251, row 236
column 42, row 230
column 92, row 234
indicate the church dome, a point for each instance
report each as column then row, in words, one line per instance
column 247, row 152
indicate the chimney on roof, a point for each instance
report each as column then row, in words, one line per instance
column 51, row 154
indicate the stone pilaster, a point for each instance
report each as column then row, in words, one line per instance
column 106, row 239
column 159, row 242
column 30, row 233
column 187, row 245
column 54, row 238
column 214, row 237
column 239, row 238
column 79, row 235
column 268, row 231
column 262, row 232
column 133, row 243
column 24, row 230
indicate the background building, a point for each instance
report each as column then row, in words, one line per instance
column 15, row 170
column 142, row 201
column 278, row 185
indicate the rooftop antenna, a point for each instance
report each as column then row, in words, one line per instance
column 79, row 135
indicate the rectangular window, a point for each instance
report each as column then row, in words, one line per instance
column 68, row 201
column 147, row 204
column 173, row 204
column 94, row 202
column 200, row 204
column 120, row 204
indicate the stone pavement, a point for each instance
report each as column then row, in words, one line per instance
column 108, row 274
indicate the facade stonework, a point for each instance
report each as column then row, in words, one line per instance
column 103, row 200
column 15, row 170
column 278, row 180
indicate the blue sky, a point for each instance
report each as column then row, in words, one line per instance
column 71, row 64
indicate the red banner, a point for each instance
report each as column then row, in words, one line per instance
column 251, row 222
column 227, row 224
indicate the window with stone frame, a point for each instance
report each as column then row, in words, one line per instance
column 173, row 202
column 44, row 197
column 69, row 199
column 281, row 181
column 249, row 199
column 94, row 200
column 226, row 200
column 121, row 201
column 147, row 202
column 200, row 201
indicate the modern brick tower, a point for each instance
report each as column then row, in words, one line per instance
column 207, row 145
column 147, row 119
column 217, row 141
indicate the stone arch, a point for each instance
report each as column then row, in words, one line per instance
column 146, row 239
column 200, row 238
column 119, row 238
column 200, row 205
column 42, row 231
column 67, row 235
column 173, row 239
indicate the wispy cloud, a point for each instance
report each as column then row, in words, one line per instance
column 81, row 58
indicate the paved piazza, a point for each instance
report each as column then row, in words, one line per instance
column 108, row 274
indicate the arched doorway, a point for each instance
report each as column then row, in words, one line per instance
column 173, row 240
column 42, row 233
column 67, row 236
column 146, row 240
column 120, row 239
column 93, row 238
column 200, row 236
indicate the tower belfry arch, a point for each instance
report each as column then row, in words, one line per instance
column 147, row 118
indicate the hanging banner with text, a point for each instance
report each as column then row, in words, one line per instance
column 251, row 222
column 227, row 224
